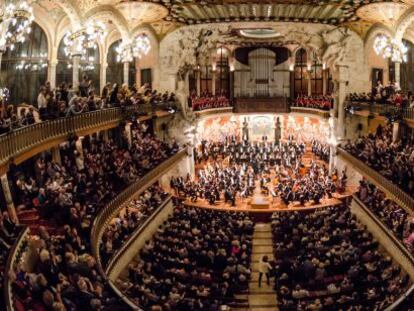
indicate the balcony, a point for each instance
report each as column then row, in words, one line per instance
column 392, row 190
column 22, row 143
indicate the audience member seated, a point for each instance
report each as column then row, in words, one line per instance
column 208, row 101
column 326, row 260
column 323, row 102
column 129, row 219
column 197, row 260
column 8, row 234
column 393, row 160
column 69, row 195
column 390, row 213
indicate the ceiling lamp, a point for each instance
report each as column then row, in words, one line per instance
column 139, row 47
column 390, row 48
column 15, row 21
column 77, row 43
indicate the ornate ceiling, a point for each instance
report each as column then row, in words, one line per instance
column 166, row 15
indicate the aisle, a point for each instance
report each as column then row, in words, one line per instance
column 261, row 298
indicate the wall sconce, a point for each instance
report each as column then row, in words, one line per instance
column 231, row 68
column 291, row 67
column 323, row 66
column 309, row 67
column 213, row 67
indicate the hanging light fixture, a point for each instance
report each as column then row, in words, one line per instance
column 77, row 43
column 386, row 47
column 140, row 46
column 15, row 24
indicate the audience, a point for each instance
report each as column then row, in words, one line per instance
column 391, row 215
column 326, row 260
column 393, row 160
column 197, row 260
column 129, row 219
column 324, row 102
column 69, row 195
column 63, row 101
column 208, row 101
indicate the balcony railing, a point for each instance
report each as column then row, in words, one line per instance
column 24, row 139
column 399, row 252
column 392, row 190
column 318, row 112
column 381, row 109
column 118, row 254
column 113, row 207
column 14, row 258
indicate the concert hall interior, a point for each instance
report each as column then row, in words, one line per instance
column 212, row 155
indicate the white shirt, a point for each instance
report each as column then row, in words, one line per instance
column 41, row 101
column 264, row 267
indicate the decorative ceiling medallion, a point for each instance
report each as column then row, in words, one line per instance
column 141, row 12
column 386, row 13
column 259, row 33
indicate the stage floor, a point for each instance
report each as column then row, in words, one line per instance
column 266, row 203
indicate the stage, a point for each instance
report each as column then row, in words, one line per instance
column 263, row 205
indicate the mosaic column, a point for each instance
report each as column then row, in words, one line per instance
column 126, row 73
column 75, row 71
column 9, row 200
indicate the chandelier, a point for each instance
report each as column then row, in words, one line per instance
column 77, row 43
column 139, row 47
column 15, row 21
column 390, row 48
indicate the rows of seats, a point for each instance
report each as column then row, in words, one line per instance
column 327, row 260
column 129, row 219
column 393, row 160
column 65, row 198
column 197, row 260
column 390, row 213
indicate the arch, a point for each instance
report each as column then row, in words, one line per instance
column 375, row 30
column 114, row 72
column 106, row 11
column 403, row 23
column 72, row 12
column 25, row 68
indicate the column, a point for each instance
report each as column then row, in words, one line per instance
column 9, row 201
column 51, row 73
column 198, row 76
column 137, row 74
column 213, row 82
column 324, row 81
column 126, row 73
column 75, row 71
column 309, row 75
column 231, row 84
column 79, row 146
column 55, row 151
column 397, row 73
column 105, row 135
column 128, row 133
column 102, row 76
column 332, row 142
column 342, row 80
column 395, row 131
